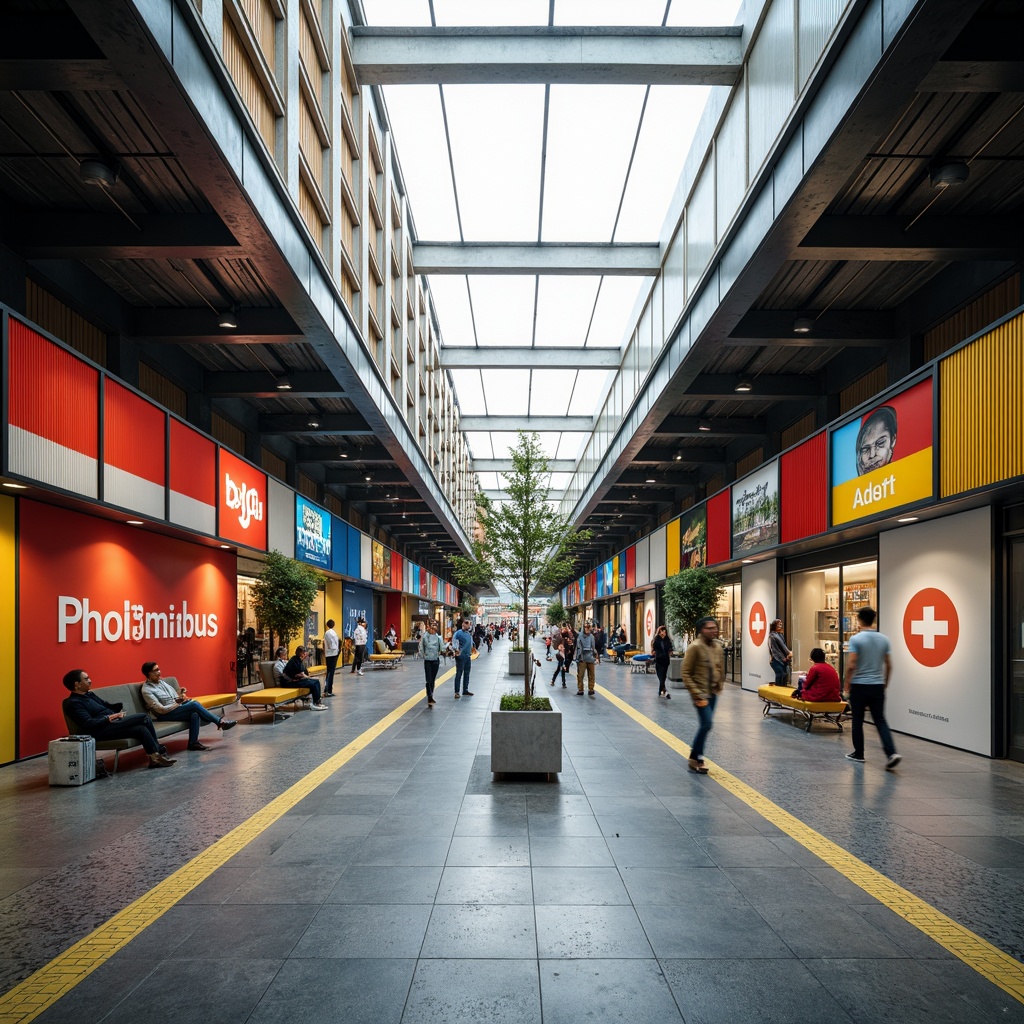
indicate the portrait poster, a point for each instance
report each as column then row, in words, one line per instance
column 755, row 511
column 882, row 459
column 693, row 538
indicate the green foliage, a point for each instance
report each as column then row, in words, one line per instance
column 688, row 597
column 556, row 613
column 525, row 543
column 283, row 594
column 517, row 702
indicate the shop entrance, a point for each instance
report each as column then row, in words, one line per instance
column 1016, row 631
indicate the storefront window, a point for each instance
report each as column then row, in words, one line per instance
column 823, row 607
column 727, row 614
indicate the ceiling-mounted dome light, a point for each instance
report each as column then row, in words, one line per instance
column 679, row 456
column 97, row 172
column 704, row 426
column 743, row 385
column 953, row 173
column 803, row 325
column 283, row 384
column 228, row 320
column 342, row 455
column 313, row 424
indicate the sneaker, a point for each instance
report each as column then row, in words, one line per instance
column 431, row 701
column 855, row 757
column 360, row 672
column 457, row 696
column 328, row 694
column 467, row 693
column 579, row 693
column 318, row 707
column 668, row 696
column 893, row 761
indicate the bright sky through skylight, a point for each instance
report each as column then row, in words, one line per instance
column 609, row 164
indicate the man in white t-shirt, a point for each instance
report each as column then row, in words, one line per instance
column 868, row 667
column 359, row 642
column 332, row 649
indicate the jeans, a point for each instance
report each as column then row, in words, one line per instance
column 131, row 727
column 560, row 668
column 430, row 674
column 585, row 668
column 360, row 656
column 195, row 714
column 706, row 716
column 462, row 673
column 661, row 668
column 781, row 671
column 620, row 653
column 332, row 664
column 869, row 696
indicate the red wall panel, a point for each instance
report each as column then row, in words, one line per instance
column 74, row 567
column 719, row 527
column 134, row 434
column 193, row 464
column 631, row 567
column 803, row 486
column 396, row 571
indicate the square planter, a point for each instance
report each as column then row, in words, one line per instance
column 516, row 663
column 526, row 741
column 675, row 674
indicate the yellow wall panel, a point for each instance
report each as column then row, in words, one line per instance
column 8, row 704
column 672, row 548
column 981, row 411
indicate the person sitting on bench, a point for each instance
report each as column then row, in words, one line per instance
column 165, row 702
column 294, row 674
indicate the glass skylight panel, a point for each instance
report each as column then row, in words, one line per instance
column 609, row 12
column 703, row 12
column 505, row 389
column 469, row 392
column 564, row 306
column 613, row 317
column 550, row 389
column 480, row 443
column 503, row 308
column 570, row 444
column 491, row 12
column 397, row 12
column 589, row 392
column 451, row 301
column 496, row 133
column 590, row 137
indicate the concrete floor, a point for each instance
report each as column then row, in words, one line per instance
column 412, row 887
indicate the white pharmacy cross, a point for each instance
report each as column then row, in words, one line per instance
column 929, row 627
column 756, row 623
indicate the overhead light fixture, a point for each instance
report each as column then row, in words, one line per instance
column 748, row 561
column 133, row 522
column 97, row 172
column 403, row 515
column 650, row 480
column 743, row 385
column 368, row 477
column 16, row 487
column 313, row 424
column 953, row 173
column 803, row 325
column 704, row 426
column 283, row 384
column 226, row 547
column 228, row 319
column 342, row 455
column 907, row 519
column 679, row 456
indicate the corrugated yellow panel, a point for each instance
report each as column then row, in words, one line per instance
column 615, row 574
column 672, row 548
column 985, row 310
column 62, row 322
column 865, row 387
column 8, row 703
column 981, row 411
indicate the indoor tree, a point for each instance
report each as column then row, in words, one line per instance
column 523, row 542
column 282, row 595
column 689, row 596
column 556, row 613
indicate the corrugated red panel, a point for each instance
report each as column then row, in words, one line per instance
column 803, row 483
column 592, row 585
column 631, row 567
column 193, row 464
column 396, row 570
column 719, row 527
column 52, row 393
column 134, row 434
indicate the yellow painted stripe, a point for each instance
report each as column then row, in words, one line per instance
column 992, row 963
column 41, row 990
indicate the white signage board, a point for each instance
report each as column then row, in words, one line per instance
column 759, row 589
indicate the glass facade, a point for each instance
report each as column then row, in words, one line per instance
column 729, row 617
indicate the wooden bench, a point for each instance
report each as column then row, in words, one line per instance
column 780, row 698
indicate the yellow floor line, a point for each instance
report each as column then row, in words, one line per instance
column 998, row 967
column 41, row 990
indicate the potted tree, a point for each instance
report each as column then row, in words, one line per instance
column 282, row 595
column 523, row 544
column 688, row 596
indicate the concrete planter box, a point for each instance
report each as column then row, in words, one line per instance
column 526, row 741
column 675, row 674
column 516, row 663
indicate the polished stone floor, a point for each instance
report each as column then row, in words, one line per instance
column 411, row 887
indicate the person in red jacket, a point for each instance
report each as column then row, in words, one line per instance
column 822, row 681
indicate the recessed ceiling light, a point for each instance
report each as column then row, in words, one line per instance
column 679, row 456
column 650, row 480
column 226, row 547
column 133, row 522
column 744, row 384
column 748, row 561
column 907, row 519
column 17, row 487
column 283, row 384
column 803, row 325
column 342, row 455
column 704, row 426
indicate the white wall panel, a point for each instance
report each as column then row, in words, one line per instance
column 700, row 228
column 673, row 276
column 643, row 561
column 731, row 163
column 818, row 20
column 281, row 521
column 659, row 555
column 759, row 588
column 366, row 559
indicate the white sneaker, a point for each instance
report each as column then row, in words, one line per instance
column 318, row 707
column 893, row 761
column 360, row 672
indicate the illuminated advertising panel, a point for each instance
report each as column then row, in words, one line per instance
column 883, row 459
column 312, row 533
column 241, row 502
column 693, row 538
column 755, row 511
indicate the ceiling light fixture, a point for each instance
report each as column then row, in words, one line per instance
column 803, row 325
column 229, row 319
column 226, row 547
column 17, row 487
column 342, row 455
column 743, row 385
column 368, row 477
column 748, row 561
column 97, row 172
column 650, row 480
column 679, row 456
column 313, row 424
column 283, row 383
column 907, row 519
column 704, row 426
column 133, row 522
column 953, row 173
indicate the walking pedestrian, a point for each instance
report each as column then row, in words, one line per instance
column 868, row 669
column 703, row 673
column 661, row 648
column 430, row 652
column 359, row 642
column 462, row 644
column 586, row 658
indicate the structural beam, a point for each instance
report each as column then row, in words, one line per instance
column 974, row 76
column 49, row 51
column 263, row 384
column 725, row 426
column 628, row 259
column 487, row 358
column 332, row 454
column 357, row 477
column 326, row 423
column 779, row 387
column 872, row 328
column 198, row 325
column 898, row 239
column 42, row 75
column 527, row 423
column 656, row 455
column 506, row 465
column 644, row 56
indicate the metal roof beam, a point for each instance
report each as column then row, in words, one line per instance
column 567, row 54
column 326, row 423
column 468, row 357
column 198, row 325
column 506, row 465
column 725, row 426
column 263, row 384
column 628, row 259
column 330, row 453
column 778, row 387
column 527, row 423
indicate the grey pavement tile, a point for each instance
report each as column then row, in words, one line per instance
column 493, row 803
column 744, row 851
column 698, row 929
column 542, row 800
column 640, row 822
column 904, row 935
column 989, row 851
column 500, row 885
column 497, row 823
column 633, row 991
column 589, row 933
column 545, row 824
column 268, row 884
column 666, row 886
column 400, row 851
column 967, row 984
column 369, row 991
column 474, row 991
column 894, row 990
column 309, row 849
column 643, row 851
column 220, row 885
column 480, row 931
column 725, row 991
column 489, row 851
column 569, row 851
column 375, row 883
column 100, row 992
column 590, row 886
column 429, row 823
column 838, row 932
column 955, row 825
column 360, row 931
column 209, row 933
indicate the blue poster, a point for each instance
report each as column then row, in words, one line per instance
column 356, row 603
column 312, row 533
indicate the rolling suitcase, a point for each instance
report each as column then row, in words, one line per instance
column 72, row 760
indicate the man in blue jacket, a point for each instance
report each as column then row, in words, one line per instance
column 462, row 643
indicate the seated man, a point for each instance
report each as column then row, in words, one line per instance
column 294, row 674
column 822, row 681
column 165, row 702
column 95, row 717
